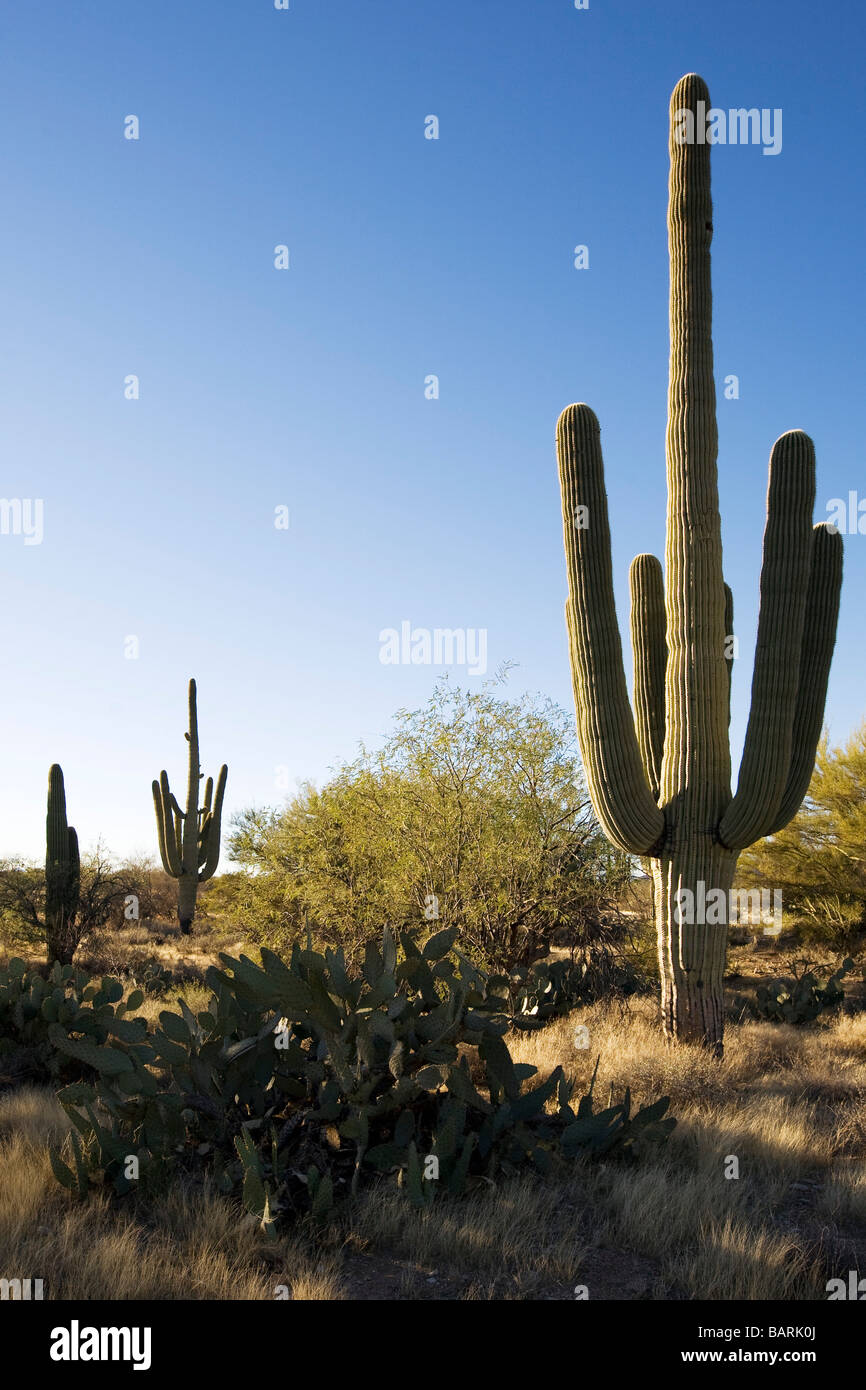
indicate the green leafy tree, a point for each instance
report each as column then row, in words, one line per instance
column 819, row 859
column 473, row 814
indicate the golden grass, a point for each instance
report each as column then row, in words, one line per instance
column 195, row 1246
column 789, row 1104
column 522, row 1227
column 196, row 996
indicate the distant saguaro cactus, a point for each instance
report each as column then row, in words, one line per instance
column 189, row 841
column 62, row 874
column 661, row 781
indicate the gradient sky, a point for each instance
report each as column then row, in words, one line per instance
column 305, row 387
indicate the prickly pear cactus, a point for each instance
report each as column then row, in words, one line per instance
column 301, row 1080
column 32, row 1006
column 801, row 997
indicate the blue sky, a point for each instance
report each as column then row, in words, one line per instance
column 306, row 387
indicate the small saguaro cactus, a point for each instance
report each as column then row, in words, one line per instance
column 660, row 780
column 62, row 874
column 189, row 841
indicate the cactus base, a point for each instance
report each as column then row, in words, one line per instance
column 691, row 896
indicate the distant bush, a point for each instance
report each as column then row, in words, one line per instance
column 110, row 896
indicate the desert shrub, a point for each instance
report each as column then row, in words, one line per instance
column 474, row 814
column 301, row 1080
column 108, row 893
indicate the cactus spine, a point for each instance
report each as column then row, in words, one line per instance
column 62, row 874
column 660, row 780
column 189, row 841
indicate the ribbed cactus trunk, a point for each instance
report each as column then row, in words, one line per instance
column 62, row 874
column 696, row 762
column 692, row 954
column 660, row 779
column 189, row 841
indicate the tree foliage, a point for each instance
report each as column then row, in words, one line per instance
column 473, row 814
column 819, row 859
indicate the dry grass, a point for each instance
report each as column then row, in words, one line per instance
column 789, row 1104
column 196, row 1246
column 132, row 950
column 525, row 1228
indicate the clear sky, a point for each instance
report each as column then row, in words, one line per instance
column 305, row 388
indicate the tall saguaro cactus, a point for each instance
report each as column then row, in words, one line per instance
column 660, row 779
column 189, row 841
column 62, row 874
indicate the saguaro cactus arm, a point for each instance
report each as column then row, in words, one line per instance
column 766, row 760
column 165, row 826
column 729, row 637
column 210, row 837
column 650, row 652
column 74, row 867
column 621, row 797
column 816, row 651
